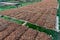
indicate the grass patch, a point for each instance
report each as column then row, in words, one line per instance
column 21, row 3
column 6, row 7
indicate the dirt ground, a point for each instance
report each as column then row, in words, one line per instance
column 41, row 13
